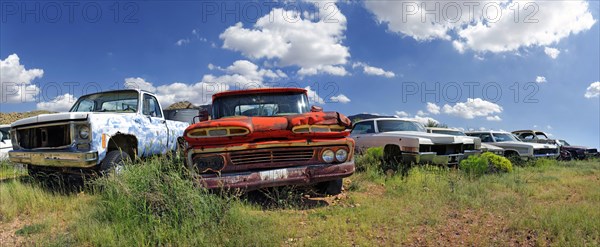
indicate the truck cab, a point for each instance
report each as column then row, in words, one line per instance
column 269, row 137
column 99, row 133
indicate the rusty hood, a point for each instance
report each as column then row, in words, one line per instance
column 271, row 128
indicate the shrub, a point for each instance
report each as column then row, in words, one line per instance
column 371, row 158
column 485, row 163
column 541, row 162
column 153, row 203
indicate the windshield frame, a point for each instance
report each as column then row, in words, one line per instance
column 220, row 103
column 86, row 97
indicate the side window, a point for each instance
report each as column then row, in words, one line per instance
column 151, row 106
column 486, row 138
column 526, row 136
column 363, row 128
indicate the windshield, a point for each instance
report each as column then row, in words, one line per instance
column 399, row 125
column 503, row 137
column 123, row 101
column 564, row 143
column 448, row 132
column 260, row 105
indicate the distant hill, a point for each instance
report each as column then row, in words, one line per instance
column 363, row 116
column 8, row 118
column 182, row 105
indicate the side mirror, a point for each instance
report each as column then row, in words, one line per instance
column 203, row 116
column 315, row 108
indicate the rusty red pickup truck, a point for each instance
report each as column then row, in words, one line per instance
column 269, row 137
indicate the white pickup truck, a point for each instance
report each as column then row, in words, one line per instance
column 408, row 141
column 98, row 134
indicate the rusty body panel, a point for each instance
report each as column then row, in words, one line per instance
column 253, row 152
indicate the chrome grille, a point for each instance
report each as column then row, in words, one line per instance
column 271, row 156
column 544, row 151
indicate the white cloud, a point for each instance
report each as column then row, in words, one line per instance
column 370, row 70
column 472, row 108
column 313, row 97
column 288, row 39
column 477, row 25
column 402, row 114
column 548, row 127
column 540, row 79
column 182, row 42
column 15, row 81
column 433, row 108
column 241, row 74
column 421, row 113
column 493, row 118
column 593, row 90
column 552, row 52
column 424, row 120
column 340, row 99
column 61, row 103
column 139, row 83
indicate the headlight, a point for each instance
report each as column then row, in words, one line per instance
column 341, row 155
column 84, row 132
column 328, row 156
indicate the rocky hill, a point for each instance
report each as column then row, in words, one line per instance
column 8, row 118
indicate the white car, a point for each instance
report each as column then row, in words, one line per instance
column 5, row 142
column 513, row 147
column 485, row 147
column 408, row 141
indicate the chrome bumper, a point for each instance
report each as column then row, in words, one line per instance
column 435, row 159
column 55, row 159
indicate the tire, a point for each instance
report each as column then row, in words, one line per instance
column 514, row 158
column 392, row 160
column 333, row 187
column 114, row 162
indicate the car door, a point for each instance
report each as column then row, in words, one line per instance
column 5, row 144
column 157, row 135
column 363, row 133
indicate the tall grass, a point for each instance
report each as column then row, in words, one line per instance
column 154, row 203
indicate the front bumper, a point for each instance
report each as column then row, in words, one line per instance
column 302, row 175
column 552, row 155
column 55, row 159
column 435, row 159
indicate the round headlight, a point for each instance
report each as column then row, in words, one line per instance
column 84, row 132
column 327, row 156
column 341, row 155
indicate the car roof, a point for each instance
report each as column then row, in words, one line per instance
column 487, row 131
column 387, row 118
column 528, row 131
column 260, row 91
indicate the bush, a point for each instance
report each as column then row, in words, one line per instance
column 540, row 162
column 371, row 158
column 154, row 204
column 485, row 163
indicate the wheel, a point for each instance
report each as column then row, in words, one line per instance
column 514, row 158
column 392, row 160
column 333, row 187
column 114, row 162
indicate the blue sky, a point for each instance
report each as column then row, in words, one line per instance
column 375, row 57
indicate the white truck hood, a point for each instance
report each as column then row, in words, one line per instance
column 51, row 118
column 434, row 138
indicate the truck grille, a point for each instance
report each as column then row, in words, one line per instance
column 544, row 151
column 44, row 137
column 271, row 156
column 591, row 151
